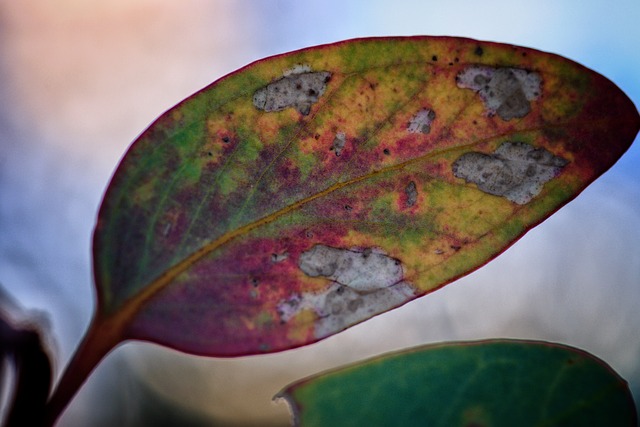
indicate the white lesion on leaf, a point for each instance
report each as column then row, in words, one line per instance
column 361, row 269
column 338, row 143
column 421, row 122
column 516, row 170
column 363, row 282
column 505, row 91
column 298, row 88
column 411, row 191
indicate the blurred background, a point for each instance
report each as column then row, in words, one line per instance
column 79, row 80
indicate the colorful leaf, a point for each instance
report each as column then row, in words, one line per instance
column 493, row 383
column 310, row 191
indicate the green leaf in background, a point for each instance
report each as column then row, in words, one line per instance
column 493, row 383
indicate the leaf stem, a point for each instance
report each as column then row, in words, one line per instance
column 101, row 337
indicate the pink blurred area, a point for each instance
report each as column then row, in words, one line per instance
column 79, row 80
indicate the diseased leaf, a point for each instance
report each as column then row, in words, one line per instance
column 310, row 191
column 492, row 383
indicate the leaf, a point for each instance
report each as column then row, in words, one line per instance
column 491, row 383
column 310, row 191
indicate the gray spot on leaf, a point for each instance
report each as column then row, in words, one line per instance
column 362, row 270
column 364, row 282
column 411, row 191
column 421, row 122
column 338, row 143
column 516, row 170
column 504, row 91
column 299, row 89
column 339, row 306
